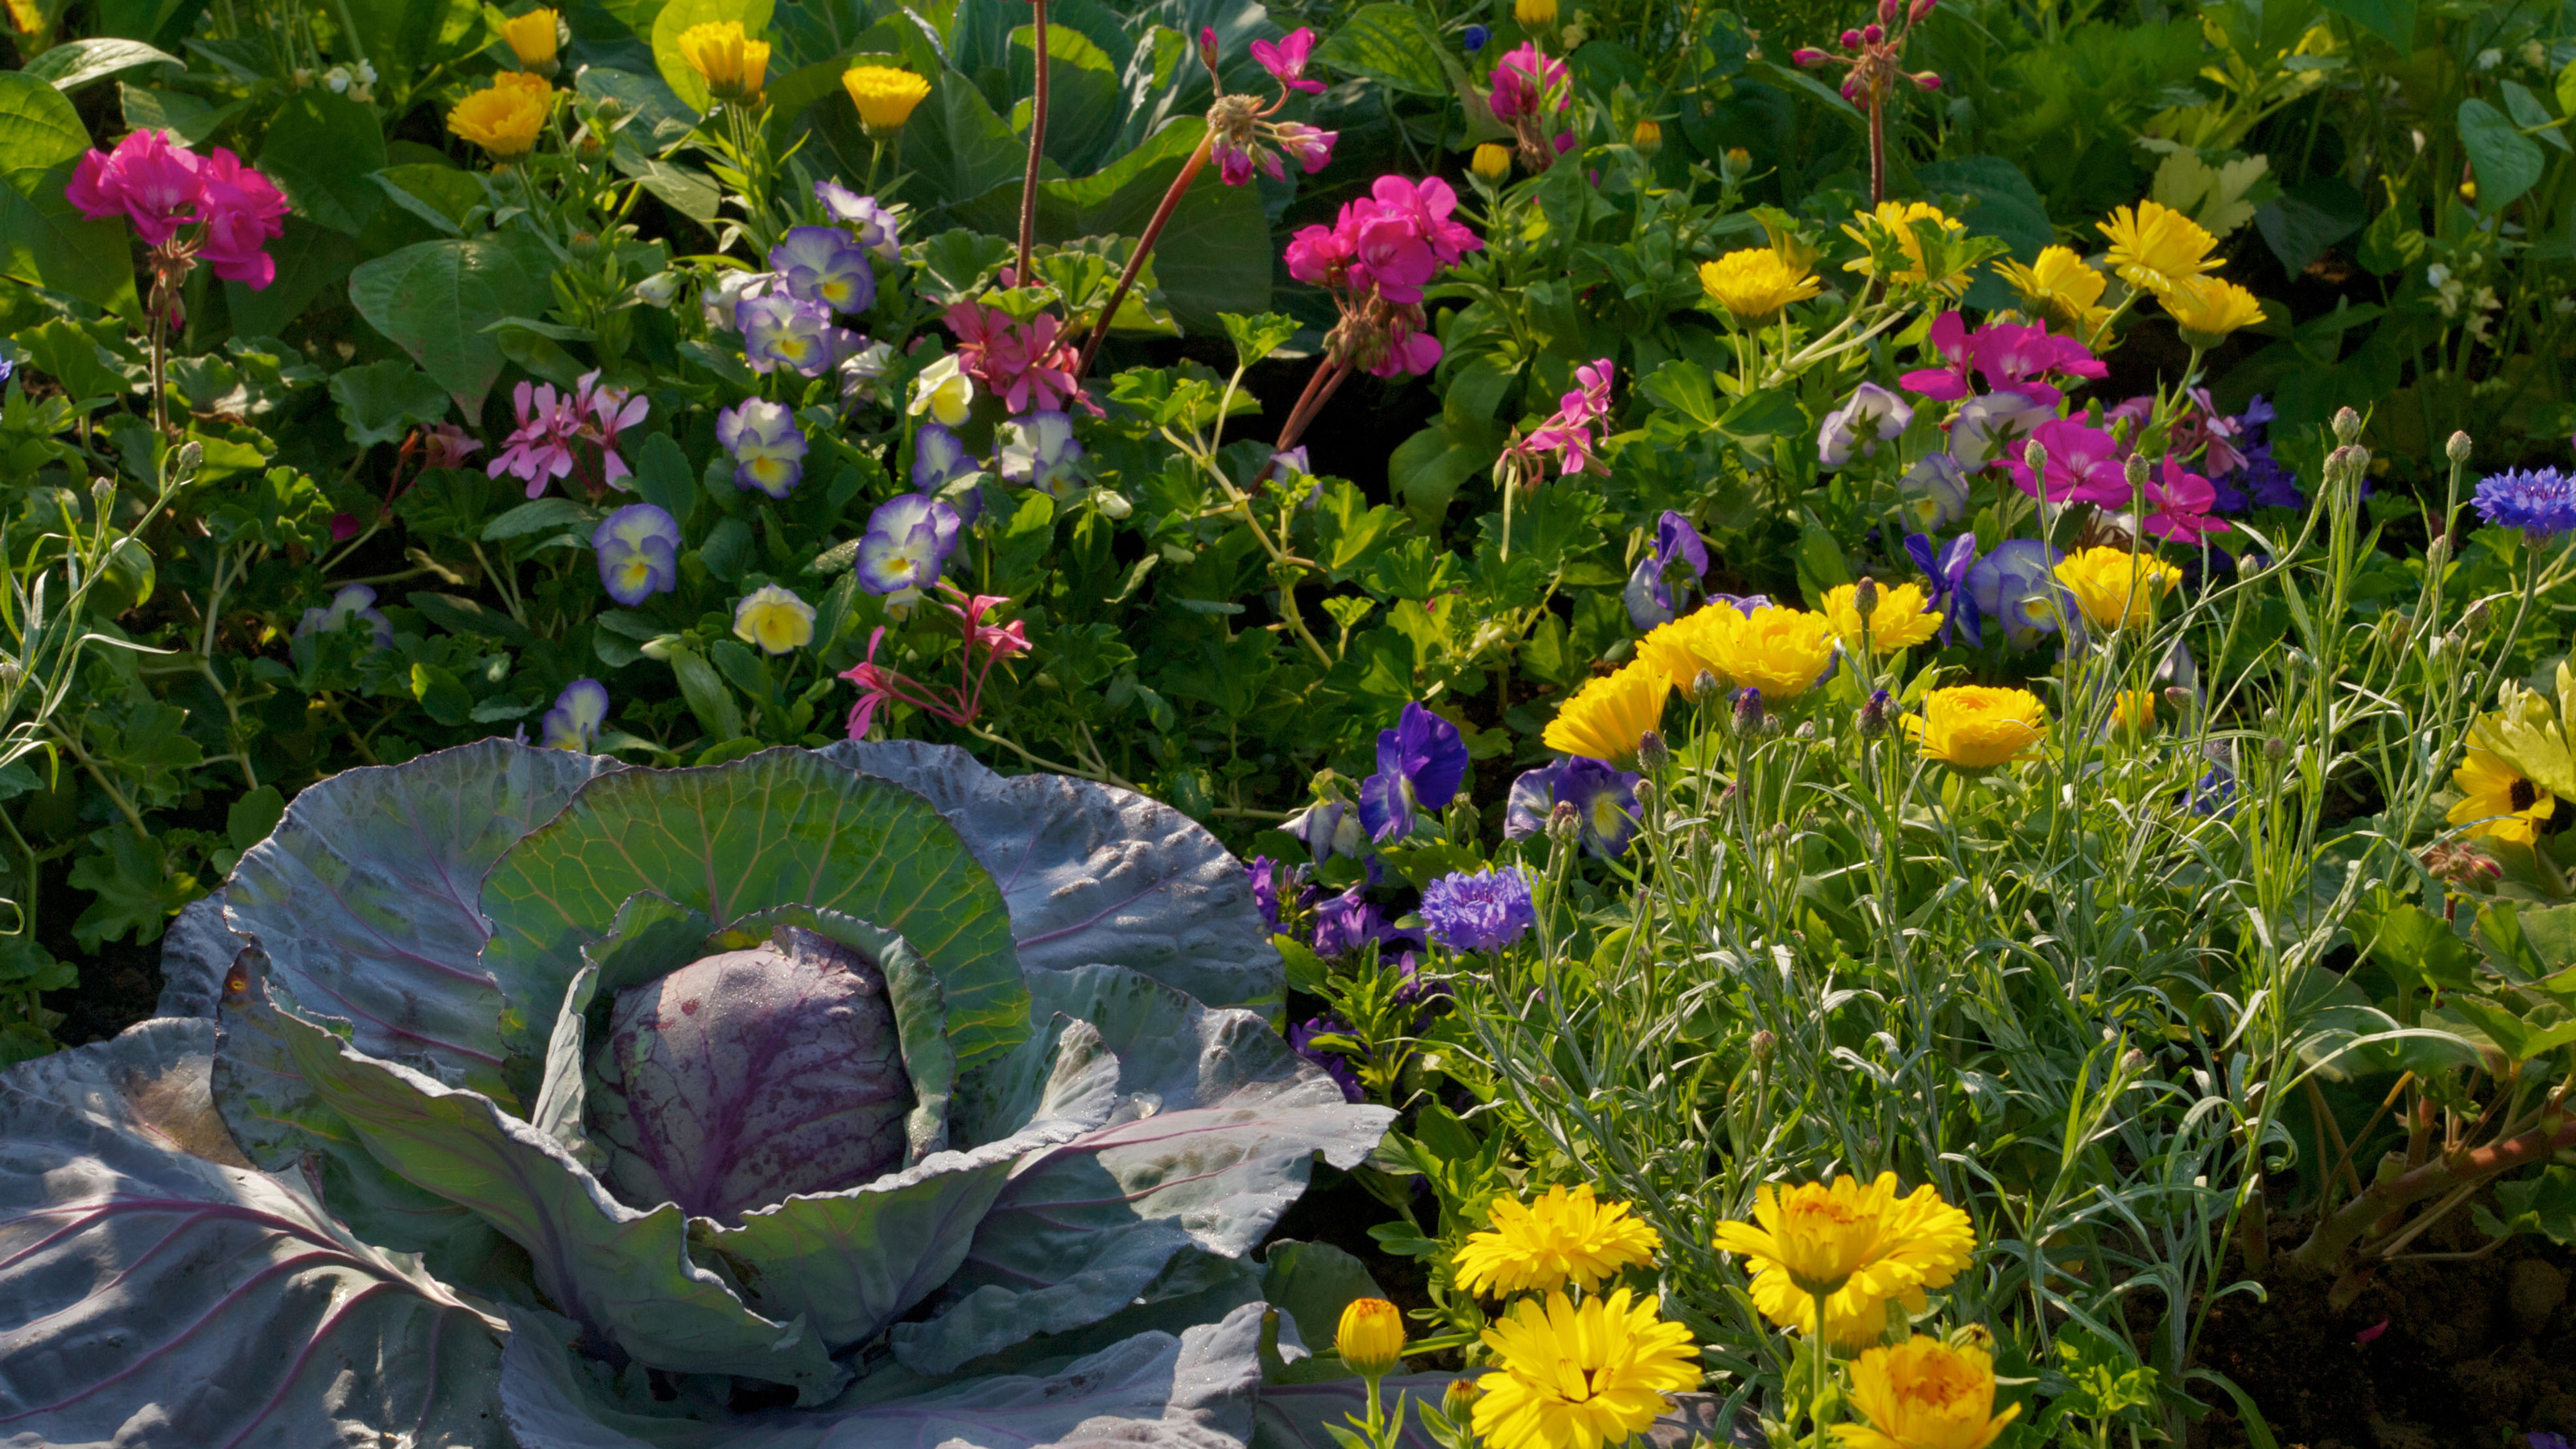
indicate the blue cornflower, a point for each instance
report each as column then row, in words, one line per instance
column 1483, row 911
column 573, row 724
column 1420, row 763
column 2539, row 501
column 1477, row 36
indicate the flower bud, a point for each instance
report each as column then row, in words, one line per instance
column 2133, row 1061
column 2438, row 552
column 2177, row 696
column 1492, row 162
column 1871, row 34
column 2035, row 454
column 191, row 455
column 1887, row 12
column 1916, row 13
column 1648, row 138
column 1806, row 732
column 2347, row 426
column 1735, row 164
column 1459, row 1399
column 1704, row 688
column 1875, row 713
column 1865, row 596
column 1207, row 48
column 585, row 245
column 2276, row 749
column 658, row 289
column 1564, row 822
column 1926, row 80
column 102, row 492
column 1531, row 14
column 2457, row 450
column 1806, row 55
column 1748, row 709
column 1644, row 790
column 1764, row 1044
column 2475, row 621
column 1370, row 1338
column 1773, row 726
column 1111, row 503
column 1850, row 39
column 1652, row 753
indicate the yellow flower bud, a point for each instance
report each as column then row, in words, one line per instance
column 1534, row 13
column 885, row 96
column 1371, row 1336
column 1648, row 137
column 1492, row 162
column 732, row 63
column 533, row 38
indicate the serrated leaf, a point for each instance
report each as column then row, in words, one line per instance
column 1255, row 338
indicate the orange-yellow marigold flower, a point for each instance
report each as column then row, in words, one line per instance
column 1607, row 718
column 1903, row 618
column 1973, row 727
column 1572, row 1377
column 2156, row 247
column 1561, row 1237
column 505, row 117
column 1924, row 1394
column 1858, row 1248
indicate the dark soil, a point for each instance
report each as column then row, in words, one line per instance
column 2468, row 1354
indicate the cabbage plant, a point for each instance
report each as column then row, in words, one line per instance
column 842, row 1098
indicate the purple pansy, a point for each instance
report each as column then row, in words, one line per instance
column 2016, row 587
column 1947, row 570
column 874, row 224
column 1604, row 801
column 822, row 264
column 908, row 541
column 1935, row 491
column 1871, row 416
column 768, row 448
column 639, row 553
column 1651, row 598
column 574, row 722
column 1328, row 828
column 782, row 331
column 1483, row 910
column 1038, row 451
column 353, row 601
column 1420, row 763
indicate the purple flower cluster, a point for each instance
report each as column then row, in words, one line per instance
column 1347, row 923
column 1483, row 911
column 1301, row 1040
column 1279, row 890
column 2539, row 501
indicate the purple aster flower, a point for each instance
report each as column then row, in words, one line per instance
column 908, row 542
column 1651, row 599
column 2016, row 587
column 354, row 601
column 1604, row 801
column 1935, row 491
column 1420, row 763
column 2539, row 501
column 1038, row 451
column 573, row 724
column 781, row 331
column 1328, row 828
column 1301, row 1040
column 1988, row 427
column 639, row 553
column 1947, row 570
column 821, row 264
column 874, row 224
column 768, row 448
column 1347, row 922
column 1485, row 911
column 1871, row 416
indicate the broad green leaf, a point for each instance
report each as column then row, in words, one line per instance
column 784, row 827
column 1772, row 412
column 1255, row 338
column 311, row 260
column 2545, row 1204
column 436, row 298
column 679, row 15
column 1683, row 387
column 2533, row 117
column 190, row 119
column 134, row 888
column 75, row 63
column 43, row 240
column 958, row 148
column 2415, row 945
column 2390, row 20
column 539, row 515
column 1084, row 107
column 439, row 195
column 2507, row 162
column 1313, row 1283
column 320, row 151
column 1393, row 45
column 381, row 401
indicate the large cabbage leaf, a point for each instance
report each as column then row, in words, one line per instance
column 158, row 1293
column 1095, row 873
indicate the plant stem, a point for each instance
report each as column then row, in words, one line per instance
column 2326, row 1246
column 1877, row 148
column 1319, row 391
column 1144, row 246
column 1037, row 147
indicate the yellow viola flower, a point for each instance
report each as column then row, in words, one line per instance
column 532, row 38
column 1781, row 652
column 1573, row 1377
column 1755, row 283
column 884, row 95
column 505, row 117
column 1491, row 161
column 1370, row 1337
column 1924, row 1394
column 1563, row 1237
column 2115, row 588
column 943, row 392
column 775, row 619
column 731, row 63
column 2060, row 286
column 2497, row 801
column 1973, row 727
column 1896, row 219
column 2156, row 247
column 2208, row 308
column 1856, row 1248
column 1903, row 617
column 1607, row 717
column 1534, row 13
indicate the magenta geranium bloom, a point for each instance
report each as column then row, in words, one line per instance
column 1286, row 61
column 540, row 448
column 1525, row 82
column 150, row 179
column 2083, row 465
column 243, row 212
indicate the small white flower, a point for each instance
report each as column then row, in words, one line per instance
column 337, row 78
column 658, row 289
column 2489, row 58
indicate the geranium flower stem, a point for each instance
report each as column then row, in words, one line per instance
column 1144, row 247
column 1037, row 148
column 1319, row 390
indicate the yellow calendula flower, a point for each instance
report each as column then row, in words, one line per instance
column 1857, row 1248
column 1491, row 161
column 2208, row 308
column 2502, row 802
column 1607, row 717
column 884, row 95
column 532, row 38
column 1755, row 283
column 1370, row 1337
column 505, row 117
column 1781, row 652
column 2133, row 713
column 2536, row 734
column 1924, row 1394
column 1563, row 1237
column 1973, row 727
column 775, row 619
column 1896, row 219
column 1534, row 13
column 1682, row 648
column 1648, row 137
column 731, row 63
column 2156, row 247
column 1903, row 618
column 2059, row 286
column 1580, row 1377
column 2115, row 588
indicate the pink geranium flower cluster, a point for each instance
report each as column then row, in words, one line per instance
column 1566, row 436
column 987, row 644
column 1241, row 133
column 557, row 433
column 160, row 186
column 2086, row 464
column 2010, row 357
column 1529, row 89
column 1377, row 257
column 1028, row 365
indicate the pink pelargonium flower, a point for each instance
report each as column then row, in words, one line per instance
column 1027, row 365
column 2083, row 465
column 2010, row 357
column 244, row 211
column 602, row 413
column 1525, row 82
column 1948, row 383
column 2178, row 506
column 1594, row 380
column 1310, row 148
column 999, row 641
column 1286, row 61
column 150, row 178
column 1410, row 351
column 1318, row 255
column 541, row 447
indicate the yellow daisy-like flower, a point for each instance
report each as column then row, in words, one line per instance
column 884, row 95
column 1370, row 1337
column 532, row 38
column 1491, row 161
column 1532, row 14
column 1903, row 617
column 1857, row 1247
column 1924, row 1394
column 2114, row 587
column 2060, row 286
column 2531, row 731
column 2133, row 713
column 1781, row 652
column 1896, row 219
column 732, row 63
column 2504, row 802
column 1607, row 717
column 2210, row 307
column 1755, row 283
column 505, row 117
column 2157, row 247
column 1973, row 727
column 1580, row 1377
column 1696, row 641
column 1564, row 1237
column 775, row 619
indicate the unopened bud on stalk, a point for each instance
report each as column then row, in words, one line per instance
column 2133, row 1061
column 1764, row 1044
column 1779, row 833
column 1564, row 822
column 102, row 492
column 2177, row 696
column 1773, row 726
column 658, row 289
column 1705, row 689
column 1648, row 137
column 1652, row 753
column 1207, row 48
column 1887, row 12
column 10, row 673
column 2475, row 621
column 190, row 456
column 1806, row 732
column 1748, row 710
column 2438, row 552
column 1459, row 1399
column 585, row 245
column 1850, row 39
column 2135, row 470
column 1865, row 596
column 1916, row 13
column 1645, row 792
column 2035, row 454
column 1871, row 34
column 1874, row 714
column 2276, row 749
column 2457, row 449
column 2347, row 426
column 2294, row 664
